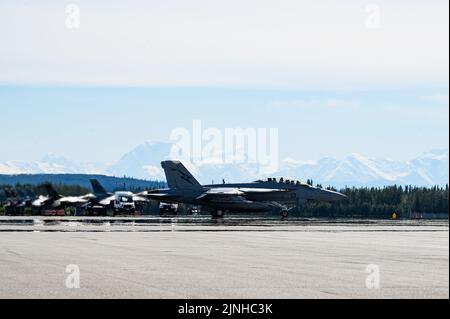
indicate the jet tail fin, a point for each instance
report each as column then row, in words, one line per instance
column 178, row 176
column 7, row 193
column 97, row 187
column 51, row 191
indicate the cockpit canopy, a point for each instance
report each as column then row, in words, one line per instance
column 285, row 181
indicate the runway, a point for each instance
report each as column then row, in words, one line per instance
column 196, row 257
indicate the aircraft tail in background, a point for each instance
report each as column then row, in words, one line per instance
column 51, row 191
column 178, row 176
column 97, row 187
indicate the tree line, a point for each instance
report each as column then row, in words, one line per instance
column 375, row 202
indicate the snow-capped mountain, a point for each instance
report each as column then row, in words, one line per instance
column 51, row 164
column 430, row 168
column 144, row 161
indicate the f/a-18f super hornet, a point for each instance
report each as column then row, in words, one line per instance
column 56, row 201
column 284, row 191
column 259, row 196
column 119, row 201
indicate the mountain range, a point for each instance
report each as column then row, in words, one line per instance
column 143, row 162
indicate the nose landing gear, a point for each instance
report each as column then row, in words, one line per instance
column 280, row 209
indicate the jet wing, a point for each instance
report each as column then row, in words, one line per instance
column 88, row 196
column 150, row 195
column 139, row 199
column 73, row 200
column 142, row 194
column 229, row 194
column 107, row 201
column 227, row 191
column 262, row 190
column 215, row 193
column 41, row 201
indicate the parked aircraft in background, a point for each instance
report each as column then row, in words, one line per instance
column 56, row 201
column 121, row 202
column 246, row 197
column 15, row 201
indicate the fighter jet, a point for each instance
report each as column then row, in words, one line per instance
column 55, row 200
column 120, row 201
column 15, row 201
column 247, row 197
column 284, row 191
column 24, row 196
column 102, row 197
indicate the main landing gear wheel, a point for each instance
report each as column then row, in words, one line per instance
column 284, row 213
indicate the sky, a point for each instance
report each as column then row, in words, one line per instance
column 335, row 79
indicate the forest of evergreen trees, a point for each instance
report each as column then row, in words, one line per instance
column 406, row 202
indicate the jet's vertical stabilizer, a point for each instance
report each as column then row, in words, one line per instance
column 51, row 191
column 97, row 187
column 178, row 176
